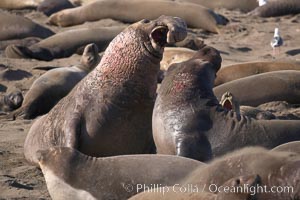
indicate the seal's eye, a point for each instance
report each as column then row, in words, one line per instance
column 145, row 21
column 159, row 35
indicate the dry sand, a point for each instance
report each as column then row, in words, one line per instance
column 244, row 39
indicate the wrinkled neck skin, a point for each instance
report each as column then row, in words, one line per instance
column 184, row 89
column 128, row 64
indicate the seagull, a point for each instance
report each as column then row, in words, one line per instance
column 262, row 2
column 276, row 42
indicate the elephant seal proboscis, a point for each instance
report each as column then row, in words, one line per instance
column 114, row 103
column 62, row 45
column 18, row 27
column 72, row 175
column 55, row 84
column 189, row 121
column 133, row 11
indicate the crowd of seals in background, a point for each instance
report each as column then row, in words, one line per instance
column 98, row 96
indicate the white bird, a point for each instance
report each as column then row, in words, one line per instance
column 262, row 2
column 277, row 41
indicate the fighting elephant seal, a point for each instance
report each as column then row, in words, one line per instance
column 55, row 84
column 62, row 45
column 190, row 192
column 290, row 147
column 277, row 8
column 11, row 101
column 18, row 27
column 285, row 87
column 279, row 169
column 241, row 70
column 189, row 121
column 133, row 10
column 114, row 103
column 72, row 175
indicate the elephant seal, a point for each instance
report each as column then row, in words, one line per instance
column 229, row 102
column 62, row 45
column 237, row 71
column 290, row 147
column 18, row 27
column 11, row 101
column 70, row 174
column 126, row 11
column 114, row 103
column 282, row 109
column 242, row 5
column 279, row 169
column 249, row 182
column 48, row 7
column 277, row 8
column 55, row 84
column 19, row 4
column 285, row 84
column 189, row 121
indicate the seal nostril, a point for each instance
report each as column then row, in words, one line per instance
column 145, row 21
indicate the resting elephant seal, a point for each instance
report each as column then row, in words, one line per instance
column 285, row 87
column 188, row 120
column 55, row 84
column 278, row 169
column 11, row 101
column 290, row 147
column 277, row 8
column 72, row 175
column 133, row 10
column 62, row 45
column 114, row 103
column 18, row 27
column 19, row 4
column 237, row 71
column 243, row 5
column 186, row 192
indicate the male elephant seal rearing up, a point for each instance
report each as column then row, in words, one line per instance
column 109, row 111
column 189, row 121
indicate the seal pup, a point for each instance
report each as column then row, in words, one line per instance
column 62, row 45
column 183, row 192
column 285, row 86
column 242, row 70
column 11, row 101
column 279, row 169
column 18, row 27
column 189, row 121
column 277, row 8
column 70, row 174
column 55, row 84
column 114, row 103
column 126, row 11
column 290, row 147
